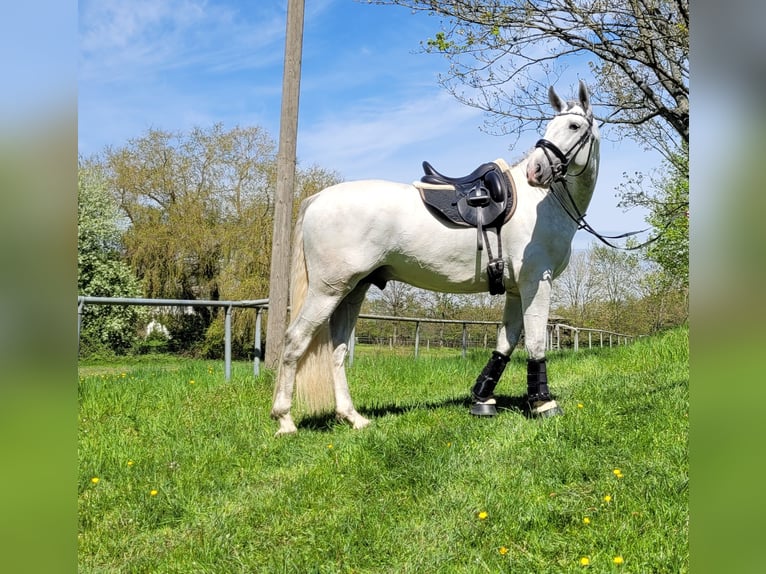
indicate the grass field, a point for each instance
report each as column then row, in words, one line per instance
column 179, row 470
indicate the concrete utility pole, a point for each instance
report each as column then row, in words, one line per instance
column 279, row 281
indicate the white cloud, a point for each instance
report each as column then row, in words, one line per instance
column 137, row 40
column 362, row 140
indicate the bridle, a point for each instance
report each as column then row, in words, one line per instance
column 559, row 171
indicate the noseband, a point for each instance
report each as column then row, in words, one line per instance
column 559, row 171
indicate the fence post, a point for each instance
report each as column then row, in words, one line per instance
column 417, row 338
column 576, row 340
column 465, row 339
column 227, row 343
column 80, row 305
column 257, row 342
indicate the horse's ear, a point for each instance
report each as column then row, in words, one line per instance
column 584, row 98
column 557, row 103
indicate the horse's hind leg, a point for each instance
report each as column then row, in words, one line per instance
column 313, row 316
column 341, row 326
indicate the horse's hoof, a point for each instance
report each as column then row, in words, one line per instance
column 545, row 409
column 353, row 418
column 286, row 426
column 484, row 408
column 360, row 423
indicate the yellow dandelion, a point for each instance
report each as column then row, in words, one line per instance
column 153, row 492
column 329, row 446
column 123, row 375
column 584, row 561
column 191, row 382
column 586, row 520
column 607, row 498
column 502, row 550
column 580, row 405
column 617, row 472
column 95, row 480
column 483, row 515
column 618, row 560
column 449, row 444
column 131, row 463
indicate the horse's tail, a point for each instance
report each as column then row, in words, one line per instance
column 314, row 390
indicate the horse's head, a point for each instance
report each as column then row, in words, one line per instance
column 566, row 147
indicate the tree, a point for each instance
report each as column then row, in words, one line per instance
column 100, row 271
column 666, row 197
column 661, row 307
column 195, row 203
column 503, row 54
column 199, row 208
column 576, row 288
column 397, row 300
column 617, row 275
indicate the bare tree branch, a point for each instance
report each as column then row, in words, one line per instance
column 504, row 53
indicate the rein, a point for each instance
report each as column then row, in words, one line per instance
column 579, row 219
column 559, row 177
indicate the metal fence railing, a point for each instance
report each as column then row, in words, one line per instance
column 258, row 304
column 570, row 338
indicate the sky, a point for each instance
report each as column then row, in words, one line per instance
column 370, row 102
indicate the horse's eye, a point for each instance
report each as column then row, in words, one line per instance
column 574, row 127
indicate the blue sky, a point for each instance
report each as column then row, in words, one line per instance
column 370, row 104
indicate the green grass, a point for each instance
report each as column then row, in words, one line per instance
column 405, row 494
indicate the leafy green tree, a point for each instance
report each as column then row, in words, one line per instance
column 100, row 270
column 666, row 197
column 199, row 212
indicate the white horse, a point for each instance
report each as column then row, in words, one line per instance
column 359, row 233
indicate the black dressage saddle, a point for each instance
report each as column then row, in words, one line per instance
column 483, row 199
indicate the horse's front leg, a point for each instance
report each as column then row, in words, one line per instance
column 483, row 401
column 536, row 310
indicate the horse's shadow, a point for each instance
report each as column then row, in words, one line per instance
column 505, row 404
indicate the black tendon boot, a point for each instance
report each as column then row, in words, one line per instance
column 538, row 396
column 482, row 392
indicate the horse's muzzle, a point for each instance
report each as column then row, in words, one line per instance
column 539, row 173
